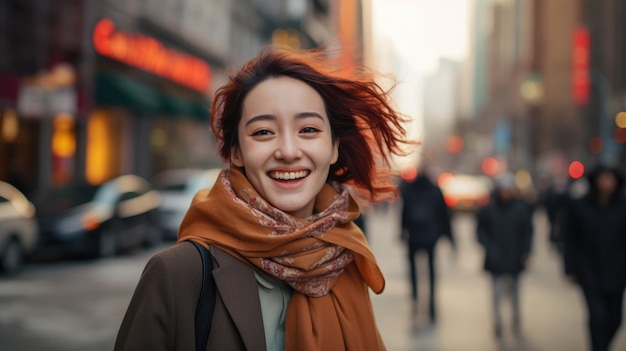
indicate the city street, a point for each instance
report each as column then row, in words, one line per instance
column 74, row 306
column 553, row 318
column 69, row 306
column 114, row 114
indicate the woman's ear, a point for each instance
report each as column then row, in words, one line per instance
column 236, row 158
column 335, row 156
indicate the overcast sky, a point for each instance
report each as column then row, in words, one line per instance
column 423, row 30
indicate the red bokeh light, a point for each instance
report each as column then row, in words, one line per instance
column 454, row 144
column 408, row 173
column 620, row 135
column 576, row 169
column 595, row 145
column 443, row 178
column 490, row 166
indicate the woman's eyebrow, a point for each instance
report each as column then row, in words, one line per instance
column 260, row 118
column 309, row 114
column 268, row 117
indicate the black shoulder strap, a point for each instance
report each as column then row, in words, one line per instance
column 206, row 301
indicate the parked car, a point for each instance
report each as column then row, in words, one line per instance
column 18, row 228
column 465, row 192
column 99, row 220
column 177, row 188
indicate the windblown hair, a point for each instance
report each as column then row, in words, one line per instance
column 361, row 117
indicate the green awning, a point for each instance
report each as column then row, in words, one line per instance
column 115, row 90
column 173, row 106
column 201, row 111
column 178, row 107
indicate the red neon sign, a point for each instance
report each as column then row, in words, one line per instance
column 581, row 79
column 148, row 54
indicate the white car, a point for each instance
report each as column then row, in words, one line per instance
column 465, row 192
column 18, row 228
column 177, row 188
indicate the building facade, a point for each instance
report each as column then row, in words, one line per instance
column 91, row 90
column 548, row 83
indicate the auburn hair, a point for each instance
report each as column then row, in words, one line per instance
column 359, row 110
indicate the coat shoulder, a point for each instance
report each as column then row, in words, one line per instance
column 180, row 262
column 183, row 251
column 161, row 313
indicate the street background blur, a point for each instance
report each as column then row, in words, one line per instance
column 90, row 90
column 94, row 90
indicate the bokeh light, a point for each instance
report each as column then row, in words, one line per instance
column 10, row 126
column 523, row 179
column 408, row 173
column 63, row 136
column 595, row 145
column 620, row 135
column 443, row 178
column 490, row 166
column 620, row 119
column 454, row 144
column 576, row 169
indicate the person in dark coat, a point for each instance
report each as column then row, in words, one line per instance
column 504, row 229
column 554, row 200
column 595, row 252
column 425, row 218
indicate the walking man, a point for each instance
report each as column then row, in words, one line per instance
column 425, row 218
column 504, row 229
column 595, row 252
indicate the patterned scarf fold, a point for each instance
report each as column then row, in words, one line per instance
column 324, row 257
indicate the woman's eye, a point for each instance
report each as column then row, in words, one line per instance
column 309, row 130
column 262, row 132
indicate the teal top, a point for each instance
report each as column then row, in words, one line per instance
column 275, row 297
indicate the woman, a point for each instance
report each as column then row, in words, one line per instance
column 292, row 269
column 594, row 247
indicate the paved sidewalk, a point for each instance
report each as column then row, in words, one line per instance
column 553, row 315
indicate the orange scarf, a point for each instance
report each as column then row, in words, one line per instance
column 325, row 258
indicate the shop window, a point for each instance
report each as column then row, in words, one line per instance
column 104, row 146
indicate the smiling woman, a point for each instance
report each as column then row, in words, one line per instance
column 285, row 149
column 291, row 267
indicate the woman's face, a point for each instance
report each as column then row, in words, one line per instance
column 285, row 144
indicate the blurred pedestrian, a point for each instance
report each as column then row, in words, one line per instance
column 504, row 229
column 292, row 270
column 425, row 218
column 595, row 252
column 554, row 200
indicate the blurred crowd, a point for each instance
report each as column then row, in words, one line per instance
column 587, row 229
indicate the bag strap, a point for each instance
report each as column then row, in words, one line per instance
column 206, row 301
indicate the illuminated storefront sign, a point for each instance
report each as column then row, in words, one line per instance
column 581, row 78
column 148, row 54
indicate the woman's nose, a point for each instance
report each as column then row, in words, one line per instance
column 287, row 149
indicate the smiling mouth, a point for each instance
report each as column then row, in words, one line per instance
column 287, row 176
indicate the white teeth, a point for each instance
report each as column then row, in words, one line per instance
column 288, row 175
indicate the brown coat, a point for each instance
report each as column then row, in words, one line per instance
column 161, row 313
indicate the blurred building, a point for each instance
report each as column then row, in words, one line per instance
column 545, row 84
column 495, row 114
column 93, row 89
column 602, row 23
column 441, row 111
